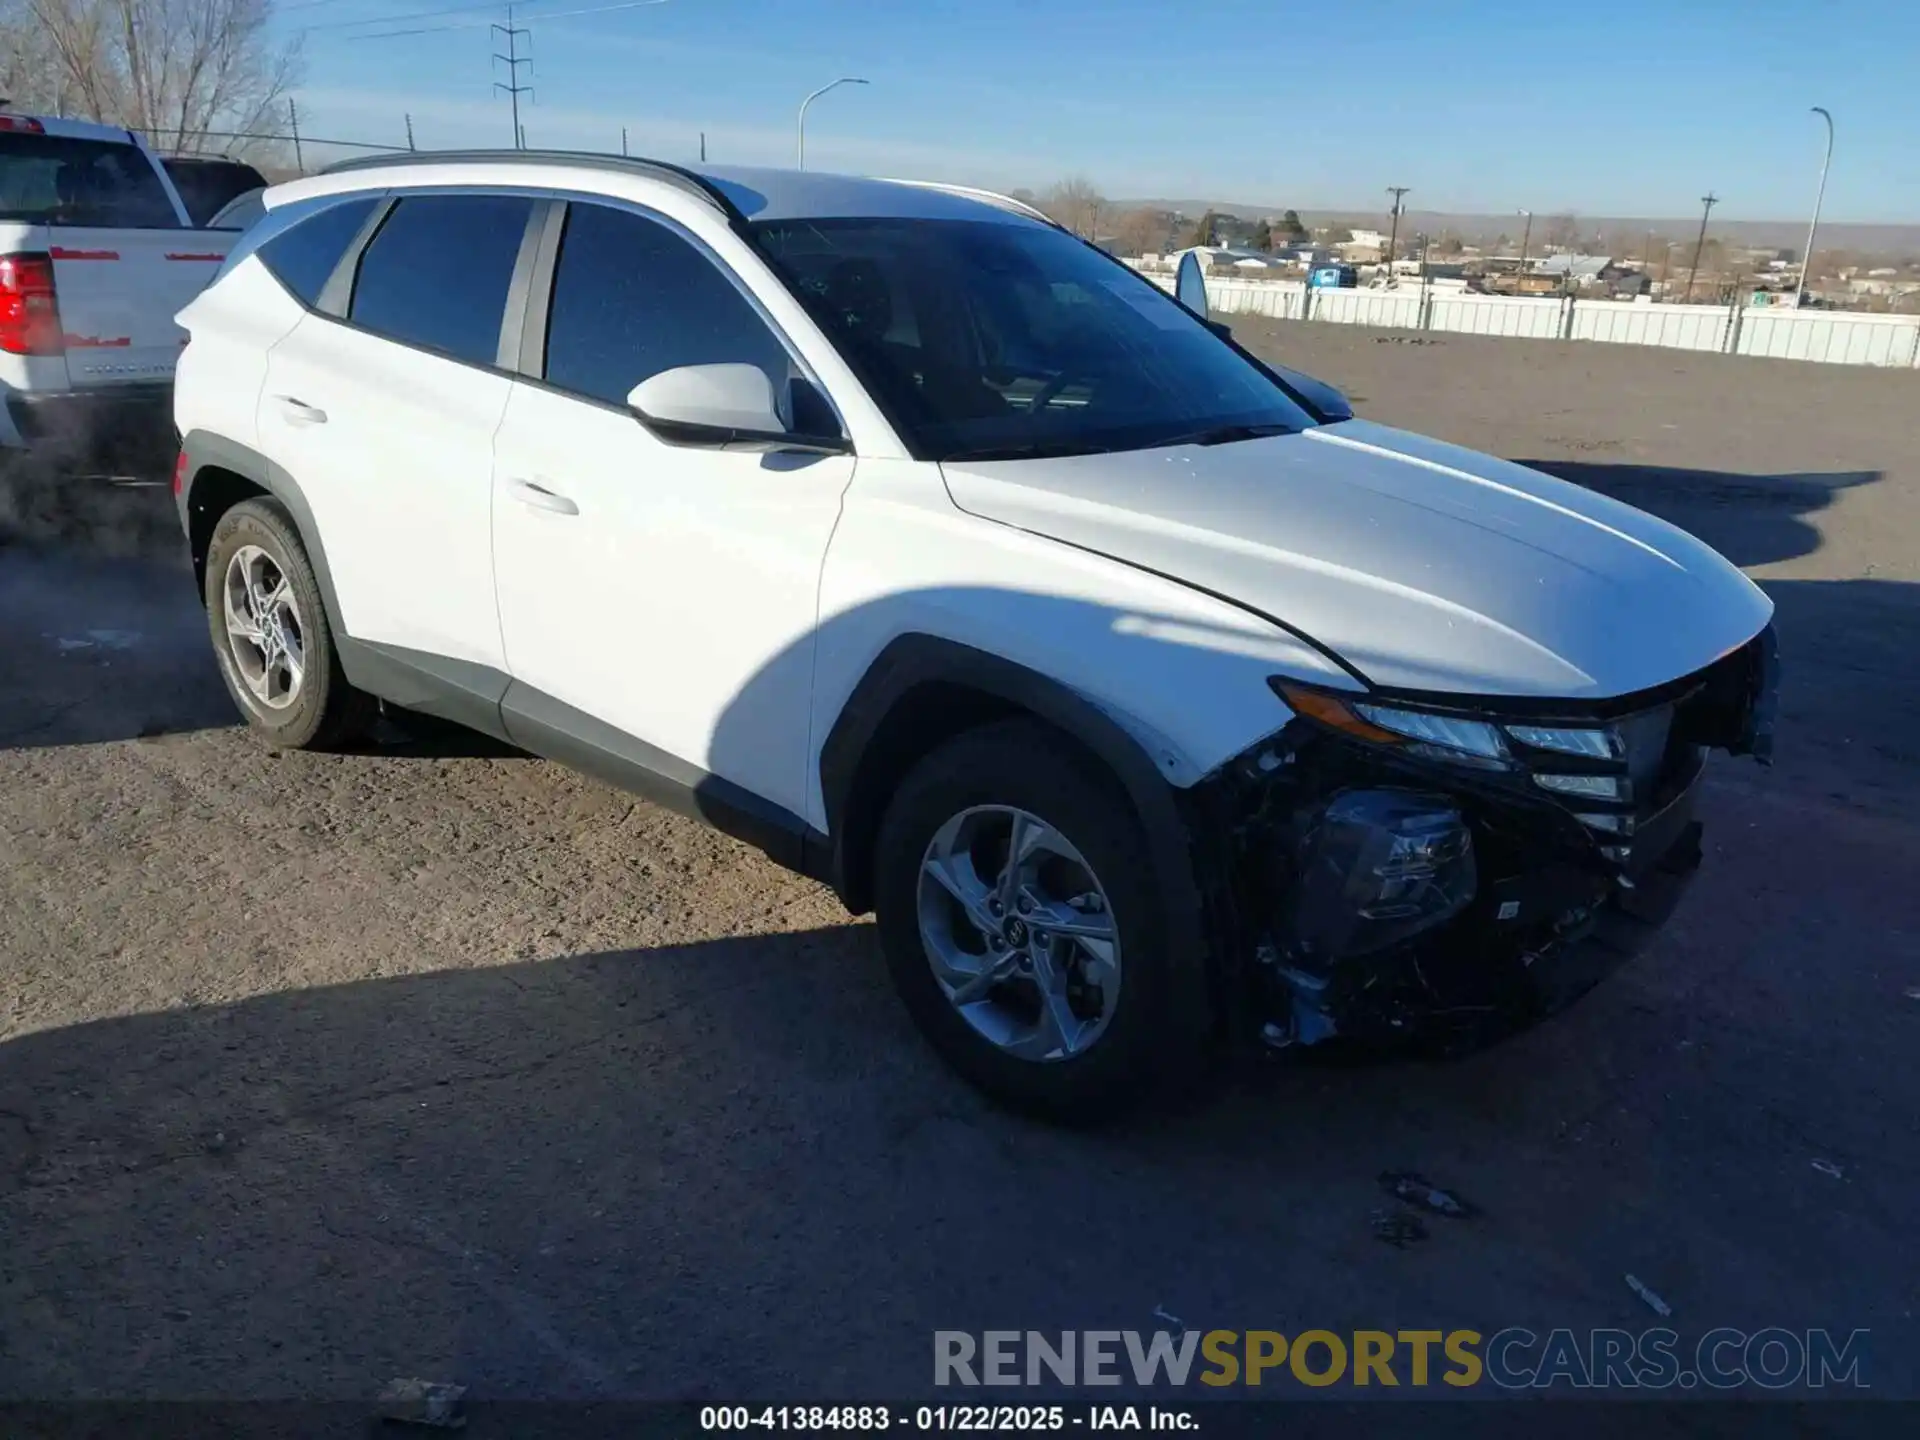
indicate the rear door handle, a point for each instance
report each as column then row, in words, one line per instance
column 298, row 412
column 538, row 497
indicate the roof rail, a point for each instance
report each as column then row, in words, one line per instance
column 986, row 197
column 678, row 176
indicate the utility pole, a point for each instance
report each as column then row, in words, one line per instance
column 514, row 60
column 1806, row 260
column 293, row 123
column 1707, row 202
column 1393, row 238
column 1526, row 234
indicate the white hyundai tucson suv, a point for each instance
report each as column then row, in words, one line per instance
column 1157, row 706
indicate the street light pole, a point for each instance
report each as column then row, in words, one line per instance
column 1526, row 234
column 1707, row 202
column 1806, row 260
column 800, row 148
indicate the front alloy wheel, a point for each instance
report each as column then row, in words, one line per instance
column 1011, row 880
column 1019, row 933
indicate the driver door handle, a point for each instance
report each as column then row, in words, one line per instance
column 539, row 497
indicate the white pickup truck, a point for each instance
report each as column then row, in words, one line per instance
column 96, row 255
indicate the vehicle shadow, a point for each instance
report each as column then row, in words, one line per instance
column 1750, row 519
column 728, row 1168
column 98, row 647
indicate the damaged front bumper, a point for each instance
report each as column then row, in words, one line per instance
column 1381, row 895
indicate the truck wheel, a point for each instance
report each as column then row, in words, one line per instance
column 270, row 633
column 1023, row 926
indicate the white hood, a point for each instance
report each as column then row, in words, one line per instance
column 1422, row 565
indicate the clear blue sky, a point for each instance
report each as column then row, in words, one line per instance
column 1626, row 108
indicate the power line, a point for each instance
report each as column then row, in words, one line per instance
column 479, row 24
column 409, row 15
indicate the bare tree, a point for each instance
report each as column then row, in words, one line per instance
column 29, row 73
column 1076, row 203
column 1563, row 231
column 177, row 69
column 1142, row 231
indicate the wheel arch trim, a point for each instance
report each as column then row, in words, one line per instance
column 911, row 662
column 203, row 451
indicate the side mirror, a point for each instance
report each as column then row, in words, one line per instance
column 713, row 406
column 1190, row 285
column 1320, row 396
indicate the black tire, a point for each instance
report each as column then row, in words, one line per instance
column 1156, row 1035
column 326, row 712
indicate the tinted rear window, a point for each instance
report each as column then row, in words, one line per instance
column 437, row 273
column 53, row 180
column 303, row 256
column 206, row 186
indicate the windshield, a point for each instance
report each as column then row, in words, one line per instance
column 988, row 340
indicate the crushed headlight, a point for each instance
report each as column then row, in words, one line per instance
column 1416, row 732
column 1589, row 744
column 1588, row 787
column 1377, row 867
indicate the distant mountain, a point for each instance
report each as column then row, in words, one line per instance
column 1834, row 235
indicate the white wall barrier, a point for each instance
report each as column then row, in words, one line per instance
column 1834, row 337
column 1516, row 316
column 1395, row 309
column 1673, row 327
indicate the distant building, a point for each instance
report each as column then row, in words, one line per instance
column 1231, row 257
column 1578, row 270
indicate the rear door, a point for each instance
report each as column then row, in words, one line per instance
column 123, row 261
column 384, row 413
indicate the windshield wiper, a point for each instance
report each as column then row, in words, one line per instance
column 1227, row 434
column 1031, row 450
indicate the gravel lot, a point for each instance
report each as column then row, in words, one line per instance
column 437, row 1060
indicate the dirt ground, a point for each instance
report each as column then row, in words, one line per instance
column 435, row 1060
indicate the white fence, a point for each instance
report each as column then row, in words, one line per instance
column 1830, row 336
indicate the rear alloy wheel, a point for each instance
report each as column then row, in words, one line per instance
column 265, row 636
column 270, row 633
column 1024, row 927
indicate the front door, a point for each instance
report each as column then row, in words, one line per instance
column 662, row 595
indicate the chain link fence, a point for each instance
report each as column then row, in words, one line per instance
column 282, row 156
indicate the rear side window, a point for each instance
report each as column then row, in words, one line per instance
column 303, row 255
column 632, row 298
column 438, row 271
column 67, row 183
